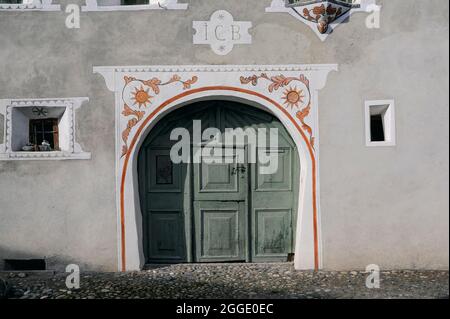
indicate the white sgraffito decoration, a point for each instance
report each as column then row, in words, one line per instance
column 222, row 32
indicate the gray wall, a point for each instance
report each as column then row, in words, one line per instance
column 387, row 206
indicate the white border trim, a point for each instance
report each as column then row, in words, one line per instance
column 389, row 126
column 210, row 77
column 71, row 105
column 37, row 5
column 92, row 6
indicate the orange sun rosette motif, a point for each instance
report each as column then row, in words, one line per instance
column 137, row 98
column 293, row 97
column 141, row 97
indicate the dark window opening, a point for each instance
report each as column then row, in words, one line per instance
column 25, row 264
column 44, row 130
column 377, row 128
column 11, row 1
column 134, row 2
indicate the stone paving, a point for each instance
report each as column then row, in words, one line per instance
column 235, row 281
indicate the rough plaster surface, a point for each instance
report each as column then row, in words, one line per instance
column 387, row 206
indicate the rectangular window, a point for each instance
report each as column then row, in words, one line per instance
column 380, row 123
column 30, row 122
column 377, row 128
column 133, row 2
column 44, row 130
column 24, row 264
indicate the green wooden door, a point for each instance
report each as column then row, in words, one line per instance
column 217, row 212
column 220, row 206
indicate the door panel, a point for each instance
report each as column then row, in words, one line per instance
column 164, row 176
column 220, row 231
column 218, row 178
column 166, row 235
column 274, row 198
column 220, row 207
column 226, row 181
column 273, row 233
column 281, row 180
column 162, row 202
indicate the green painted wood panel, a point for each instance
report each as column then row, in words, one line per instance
column 212, row 212
column 220, row 231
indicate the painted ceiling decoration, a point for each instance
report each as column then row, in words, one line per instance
column 323, row 16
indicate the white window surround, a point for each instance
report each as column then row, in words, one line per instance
column 31, row 5
column 10, row 108
column 386, row 108
column 114, row 5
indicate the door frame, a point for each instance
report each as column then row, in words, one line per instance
column 259, row 86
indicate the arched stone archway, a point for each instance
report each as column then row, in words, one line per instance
column 145, row 94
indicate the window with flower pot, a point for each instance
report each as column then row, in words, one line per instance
column 43, row 134
column 41, row 129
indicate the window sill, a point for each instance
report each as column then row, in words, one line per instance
column 54, row 155
column 93, row 7
column 380, row 144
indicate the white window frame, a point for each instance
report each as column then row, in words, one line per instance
column 31, row 5
column 387, row 109
column 72, row 149
column 94, row 5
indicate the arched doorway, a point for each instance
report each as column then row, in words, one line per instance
column 209, row 212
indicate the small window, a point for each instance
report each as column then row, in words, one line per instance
column 43, row 132
column 40, row 129
column 380, row 123
column 25, row 264
column 37, row 129
column 134, row 2
column 377, row 128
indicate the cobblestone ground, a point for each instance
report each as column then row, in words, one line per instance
column 249, row 281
